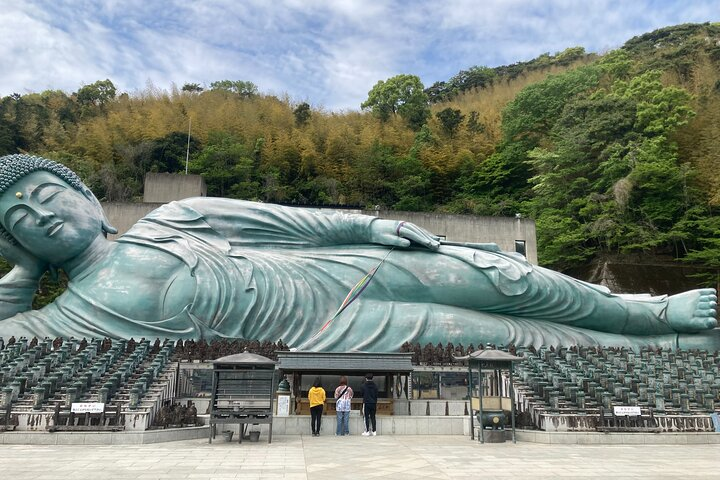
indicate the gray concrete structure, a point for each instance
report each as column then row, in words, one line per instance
column 166, row 187
column 124, row 215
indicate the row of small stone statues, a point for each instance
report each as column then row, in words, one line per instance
column 184, row 349
column 105, row 345
column 445, row 355
column 176, row 415
column 203, row 350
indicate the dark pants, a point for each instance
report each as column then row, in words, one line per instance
column 315, row 418
column 370, row 409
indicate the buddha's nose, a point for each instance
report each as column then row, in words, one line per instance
column 44, row 216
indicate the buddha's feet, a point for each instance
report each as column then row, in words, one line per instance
column 693, row 311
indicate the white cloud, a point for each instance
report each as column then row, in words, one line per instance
column 327, row 53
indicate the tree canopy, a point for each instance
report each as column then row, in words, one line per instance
column 401, row 94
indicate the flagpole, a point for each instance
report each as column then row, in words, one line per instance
column 187, row 154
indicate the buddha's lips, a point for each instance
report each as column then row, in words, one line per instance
column 54, row 228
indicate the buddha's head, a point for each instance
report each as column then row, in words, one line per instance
column 47, row 209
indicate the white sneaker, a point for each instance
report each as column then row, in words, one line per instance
column 366, row 434
column 373, row 433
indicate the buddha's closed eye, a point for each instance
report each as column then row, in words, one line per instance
column 47, row 192
column 15, row 215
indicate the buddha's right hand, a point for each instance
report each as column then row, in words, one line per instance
column 18, row 256
column 401, row 234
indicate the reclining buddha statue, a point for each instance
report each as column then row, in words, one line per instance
column 221, row 268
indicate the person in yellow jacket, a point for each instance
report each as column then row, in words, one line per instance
column 316, row 395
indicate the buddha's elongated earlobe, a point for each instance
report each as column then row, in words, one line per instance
column 53, row 273
column 106, row 226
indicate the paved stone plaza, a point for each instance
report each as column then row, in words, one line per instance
column 357, row 457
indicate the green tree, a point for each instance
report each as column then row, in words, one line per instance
column 403, row 95
column 243, row 88
column 7, row 144
column 192, row 88
column 412, row 178
column 96, row 94
column 533, row 112
column 450, row 119
column 302, row 114
column 227, row 165
column 569, row 55
column 438, row 92
column 473, row 123
column 170, row 152
column 474, row 77
column 8, row 127
column 660, row 109
column 701, row 229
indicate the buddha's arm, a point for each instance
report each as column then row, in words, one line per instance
column 251, row 224
column 17, row 289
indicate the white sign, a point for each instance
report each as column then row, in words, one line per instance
column 87, row 407
column 622, row 411
column 283, row 405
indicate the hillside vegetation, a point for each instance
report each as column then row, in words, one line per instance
column 608, row 153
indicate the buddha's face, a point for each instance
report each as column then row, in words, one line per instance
column 48, row 217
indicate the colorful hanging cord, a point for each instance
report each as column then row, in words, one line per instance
column 354, row 293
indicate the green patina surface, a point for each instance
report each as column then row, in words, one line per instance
column 213, row 267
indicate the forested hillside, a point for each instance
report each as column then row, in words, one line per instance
column 615, row 152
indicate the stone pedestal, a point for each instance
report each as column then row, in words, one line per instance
column 494, row 436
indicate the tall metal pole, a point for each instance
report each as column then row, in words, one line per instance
column 481, row 383
column 187, row 154
column 512, row 403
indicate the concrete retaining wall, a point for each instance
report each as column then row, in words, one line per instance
column 595, row 438
column 166, row 187
column 386, row 425
column 103, row 438
column 391, row 425
column 667, row 423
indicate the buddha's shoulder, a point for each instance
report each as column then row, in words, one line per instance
column 145, row 255
column 133, row 277
column 136, row 262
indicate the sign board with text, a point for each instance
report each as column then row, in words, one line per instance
column 283, row 405
column 87, row 407
column 621, row 411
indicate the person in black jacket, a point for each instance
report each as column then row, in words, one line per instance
column 369, row 392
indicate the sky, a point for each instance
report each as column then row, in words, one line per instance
column 327, row 53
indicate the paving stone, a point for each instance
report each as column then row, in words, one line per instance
column 396, row 457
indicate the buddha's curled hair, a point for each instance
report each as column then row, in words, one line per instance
column 14, row 167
